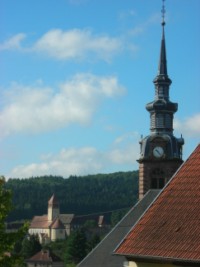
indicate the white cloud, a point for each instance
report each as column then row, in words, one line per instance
column 189, row 127
column 82, row 161
column 80, row 44
column 34, row 109
column 125, row 149
column 14, row 42
column 126, row 155
column 73, row 44
column 121, row 155
column 77, row 44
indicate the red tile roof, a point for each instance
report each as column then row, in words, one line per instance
column 44, row 256
column 57, row 224
column 40, row 222
column 170, row 228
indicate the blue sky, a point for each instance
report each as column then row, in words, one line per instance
column 76, row 76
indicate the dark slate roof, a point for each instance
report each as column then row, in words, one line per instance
column 66, row 218
column 170, row 229
column 101, row 256
column 81, row 219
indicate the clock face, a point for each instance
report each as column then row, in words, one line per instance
column 158, row 152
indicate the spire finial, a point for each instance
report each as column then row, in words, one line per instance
column 163, row 11
column 162, row 67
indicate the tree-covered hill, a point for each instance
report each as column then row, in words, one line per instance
column 77, row 195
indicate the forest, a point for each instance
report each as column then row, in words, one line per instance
column 79, row 195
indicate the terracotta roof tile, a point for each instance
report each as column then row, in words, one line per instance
column 57, row 224
column 44, row 256
column 171, row 226
column 40, row 222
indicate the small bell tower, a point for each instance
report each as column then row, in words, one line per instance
column 53, row 208
column 161, row 151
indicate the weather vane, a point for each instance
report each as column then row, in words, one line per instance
column 163, row 11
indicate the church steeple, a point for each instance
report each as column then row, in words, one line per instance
column 53, row 208
column 162, row 68
column 162, row 109
column 161, row 151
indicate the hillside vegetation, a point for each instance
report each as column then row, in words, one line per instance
column 77, row 195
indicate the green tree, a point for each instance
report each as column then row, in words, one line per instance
column 30, row 246
column 8, row 240
column 90, row 224
column 58, row 247
column 93, row 242
column 18, row 246
column 117, row 215
column 76, row 247
column 120, row 187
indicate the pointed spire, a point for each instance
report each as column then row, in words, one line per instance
column 53, row 200
column 162, row 66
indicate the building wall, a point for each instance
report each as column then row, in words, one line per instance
column 53, row 212
column 40, row 232
column 67, row 229
column 57, row 234
column 142, row 264
column 145, row 173
column 34, row 231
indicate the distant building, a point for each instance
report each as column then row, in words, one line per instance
column 52, row 226
column 13, row 227
column 45, row 258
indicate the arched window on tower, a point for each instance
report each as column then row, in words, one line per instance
column 159, row 120
column 157, row 179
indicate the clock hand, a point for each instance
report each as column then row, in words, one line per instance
column 157, row 150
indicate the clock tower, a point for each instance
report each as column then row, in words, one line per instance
column 161, row 151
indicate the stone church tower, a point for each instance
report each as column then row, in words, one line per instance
column 161, row 151
column 53, row 208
